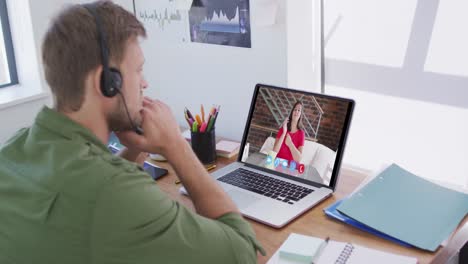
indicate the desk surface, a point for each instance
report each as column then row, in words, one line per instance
column 313, row 222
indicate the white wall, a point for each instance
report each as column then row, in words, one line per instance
column 188, row 74
column 33, row 17
column 304, row 44
column 31, row 94
column 19, row 116
column 224, row 78
column 404, row 62
column 282, row 54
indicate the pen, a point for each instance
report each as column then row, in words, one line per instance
column 320, row 250
column 187, row 119
column 198, row 119
column 214, row 119
column 211, row 167
column 188, row 113
column 202, row 113
column 210, row 123
column 212, row 110
column 203, row 127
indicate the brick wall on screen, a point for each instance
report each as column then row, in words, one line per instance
column 332, row 122
column 262, row 117
column 330, row 125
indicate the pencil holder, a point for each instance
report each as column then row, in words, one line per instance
column 204, row 146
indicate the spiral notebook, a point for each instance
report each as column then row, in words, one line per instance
column 346, row 253
column 296, row 250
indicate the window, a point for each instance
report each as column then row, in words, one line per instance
column 8, row 75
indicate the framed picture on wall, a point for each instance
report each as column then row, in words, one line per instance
column 219, row 22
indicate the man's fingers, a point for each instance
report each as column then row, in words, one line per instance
column 149, row 104
column 141, row 158
column 135, row 139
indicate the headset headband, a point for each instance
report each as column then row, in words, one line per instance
column 102, row 43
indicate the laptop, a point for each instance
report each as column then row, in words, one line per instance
column 269, row 183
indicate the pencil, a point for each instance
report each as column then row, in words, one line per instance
column 211, row 167
column 202, row 113
column 199, row 120
column 319, row 251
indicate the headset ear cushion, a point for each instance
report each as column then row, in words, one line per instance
column 106, row 89
column 115, row 79
column 114, row 82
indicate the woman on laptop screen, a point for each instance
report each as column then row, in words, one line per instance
column 290, row 138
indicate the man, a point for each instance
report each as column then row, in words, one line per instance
column 65, row 199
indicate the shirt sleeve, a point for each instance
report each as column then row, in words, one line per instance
column 135, row 222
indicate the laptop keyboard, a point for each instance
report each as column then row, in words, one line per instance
column 266, row 186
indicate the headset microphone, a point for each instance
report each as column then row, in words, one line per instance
column 136, row 128
column 111, row 78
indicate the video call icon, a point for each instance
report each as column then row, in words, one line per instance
column 284, row 163
column 292, row 165
column 301, row 168
column 273, row 163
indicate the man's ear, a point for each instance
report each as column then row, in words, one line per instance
column 95, row 80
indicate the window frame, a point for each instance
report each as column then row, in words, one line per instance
column 8, row 42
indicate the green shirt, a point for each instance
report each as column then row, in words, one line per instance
column 64, row 198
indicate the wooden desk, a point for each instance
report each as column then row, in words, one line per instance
column 313, row 222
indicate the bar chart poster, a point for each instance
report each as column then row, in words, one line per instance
column 221, row 22
column 165, row 20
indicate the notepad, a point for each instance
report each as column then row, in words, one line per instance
column 227, row 148
column 407, row 207
column 347, row 253
column 302, row 249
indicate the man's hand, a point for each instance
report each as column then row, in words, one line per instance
column 130, row 152
column 141, row 158
column 161, row 131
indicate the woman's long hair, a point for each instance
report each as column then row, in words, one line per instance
column 300, row 126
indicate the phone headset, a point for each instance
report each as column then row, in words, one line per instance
column 111, row 78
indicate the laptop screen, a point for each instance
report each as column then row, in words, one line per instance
column 296, row 134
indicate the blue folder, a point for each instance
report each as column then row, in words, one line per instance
column 407, row 207
column 335, row 214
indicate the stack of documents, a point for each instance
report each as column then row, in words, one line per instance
column 227, row 148
column 404, row 207
column 335, row 214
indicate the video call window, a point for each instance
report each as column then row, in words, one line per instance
column 295, row 133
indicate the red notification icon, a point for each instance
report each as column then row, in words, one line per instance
column 301, row 168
